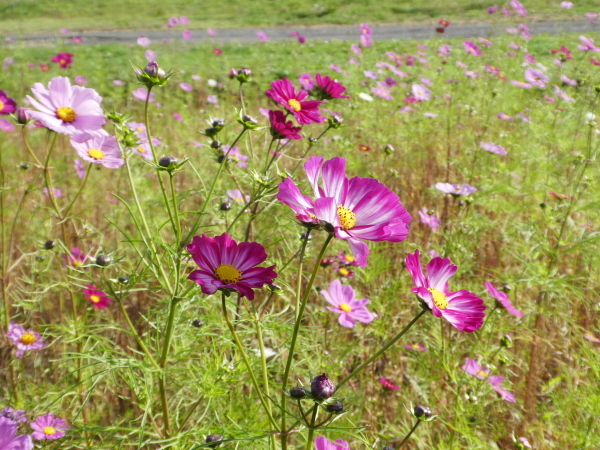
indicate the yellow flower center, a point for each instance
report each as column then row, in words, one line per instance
column 95, row 298
column 439, row 298
column 343, row 271
column 416, row 346
column 228, row 274
column 62, row 61
column 482, row 373
column 1, row 105
column 349, row 258
column 96, row 154
column 139, row 129
column 77, row 263
column 49, row 430
column 27, row 338
column 345, row 307
column 141, row 150
column 66, row 114
column 347, row 217
column 295, row 104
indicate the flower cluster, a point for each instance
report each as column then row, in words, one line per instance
column 473, row 368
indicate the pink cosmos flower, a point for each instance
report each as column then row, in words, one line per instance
column 224, row 264
column 77, row 40
column 142, row 93
column 25, row 340
column 77, row 258
column 66, row 109
column 388, row 384
column 327, row 88
column 492, row 9
column 456, row 189
column 366, row 40
column 365, row 29
column 79, row 168
column 6, row 126
column 536, row 77
column 357, row 209
column 49, row 427
column 565, row 79
column 212, row 99
column 421, row 93
column 56, row 193
column 284, row 93
column 521, row 84
column 173, row 22
column 98, row 297
column 211, row 32
column 463, row 309
column 473, row 368
column 503, row 299
column 102, row 150
column 186, row 87
column 186, row 34
column 306, row 81
column 80, row 80
column 7, row 104
column 144, row 41
column 64, row 31
column 343, row 301
column 562, row 94
column 235, row 156
column 150, row 55
column 335, row 67
column 9, row 439
column 444, row 51
column 236, row 196
column 8, row 61
column 370, row 74
column 280, row 129
column 493, row 148
column 416, row 347
column 382, row 92
column 503, row 393
column 504, row 116
column 472, row 48
column 322, row 443
column 183, row 20
column 118, row 82
column 429, row 219
column 356, row 49
column 591, row 338
column 566, row 5
column 64, row 59
column 262, row 36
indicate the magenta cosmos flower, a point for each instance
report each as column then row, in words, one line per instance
column 463, row 309
column 63, row 59
column 503, row 299
column 9, row 439
column 49, row 427
column 280, row 129
column 72, row 110
column 327, row 88
column 343, row 302
column 224, row 264
column 416, row 347
column 25, row 340
column 284, row 93
column 388, row 384
column 322, row 443
column 357, row 209
column 98, row 297
column 7, row 104
column 101, row 149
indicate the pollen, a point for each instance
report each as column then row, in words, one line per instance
column 343, row 271
column 482, row 373
column 347, row 217
column 95, row 298
column 1, row 105
column 27, row 339
column 49, row 430
column 141, row 150
column 416, row 346
column 295, row 104
column 96, row 154
column 227, row 273
column 66, row 114
column 345, row 307
column 349, row 258
column 439, row 298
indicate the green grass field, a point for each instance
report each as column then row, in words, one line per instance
column 30, row 16
column 513, row 231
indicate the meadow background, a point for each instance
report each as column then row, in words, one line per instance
column 531, row 226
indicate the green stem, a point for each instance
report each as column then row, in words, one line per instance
column 410, row 433
column 246, row 361
column 29, row 148
column 311, row 428
column 299, row 315
column 300, row 268
column 137, row 336
column 87, row 174
column 387, row 345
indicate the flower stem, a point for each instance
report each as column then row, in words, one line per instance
column 300, row 267
column 311, row 428
column 246, row 361
column 299, row 315
column 387, row 345
column 410, row 433
column 87, row 174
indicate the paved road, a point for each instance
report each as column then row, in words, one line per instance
column 342, row 32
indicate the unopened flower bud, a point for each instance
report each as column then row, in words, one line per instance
column 274, row 288
column 197, row 323
column 506, row 288
column 152, row 69
column 225, row 206
column 24, row 166
column 49, row 244
column 313, row 140
column 335, row 407
column 321, row 387
column 389, row 149
column 247, row 118
column 215, row 144
column 221, row 158
column 23, row 116
column 298, row 392
column 123, row 280
column 506, row 341
column 335, row 121
column 210, row 132
column 167, row 161
column 422, row 412
column 215, row 438
column 387, row 447
column 218, row 124
column 103, row 260
column 233, row 73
